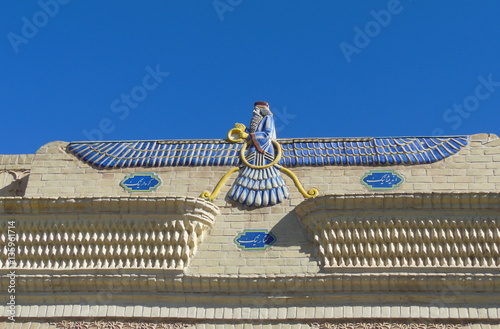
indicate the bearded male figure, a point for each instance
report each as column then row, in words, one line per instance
column 259, row 183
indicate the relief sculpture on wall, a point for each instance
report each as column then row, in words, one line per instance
column 260, row 158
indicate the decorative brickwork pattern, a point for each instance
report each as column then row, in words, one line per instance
column 404, row 241
column 118, row 325
column 66, row 241
column 267, row 325
column 385, row 325
column 77, row 244
column 390, row 238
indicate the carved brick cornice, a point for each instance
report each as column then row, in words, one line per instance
column 362, row 283
column 104, row 233
column 16, row 173
column 189, row 206
column 117, row 324
column 405, row 230
column 367, row 324
column 340, row 324
column 385, row 325
column 400, row 201
column 13, row 181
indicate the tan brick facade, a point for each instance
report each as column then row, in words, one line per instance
column 88, row 249
column 475, row 168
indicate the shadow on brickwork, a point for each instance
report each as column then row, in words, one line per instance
column 15, row 188
column 291, row 232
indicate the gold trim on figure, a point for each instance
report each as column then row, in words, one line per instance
column 239, row 132
column 313, row 192
column 275, row 161
column 213, row 195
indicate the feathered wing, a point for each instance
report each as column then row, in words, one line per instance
column 114, row 155
column 369, row 151
column 296, row 152
column 259, row 187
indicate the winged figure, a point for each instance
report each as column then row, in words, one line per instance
column 261, row 158
column 260, row 182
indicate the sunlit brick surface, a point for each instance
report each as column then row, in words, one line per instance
column 424, row 254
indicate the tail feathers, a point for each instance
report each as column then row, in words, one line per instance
column 259, row 187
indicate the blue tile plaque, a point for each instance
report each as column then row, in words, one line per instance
column 141, row 182
column 255, row 239
column 382, row 180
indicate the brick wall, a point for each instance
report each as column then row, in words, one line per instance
column 475, row 168
column 225, row 282
column 58, row 174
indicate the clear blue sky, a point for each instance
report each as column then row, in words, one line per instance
column 188, row 69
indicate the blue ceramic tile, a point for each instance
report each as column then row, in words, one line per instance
column 155, row 154
column 141, row 182
column 255, row 239
column 382, row 180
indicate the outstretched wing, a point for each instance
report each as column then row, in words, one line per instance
column 113, row 155
column 296, row 152
column 369, row 151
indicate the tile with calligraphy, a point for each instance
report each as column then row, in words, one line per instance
column 141, row 182
column 382, row 180
column 255, row 239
